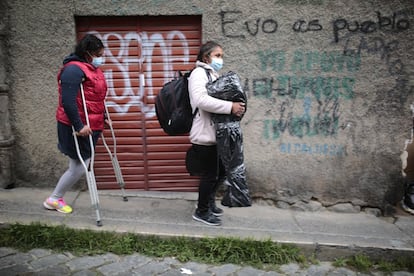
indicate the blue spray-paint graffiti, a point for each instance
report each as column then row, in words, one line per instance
column 312, row 149
column 298, row 87
column 307, row 104
column 306, row 88
column 324, row 123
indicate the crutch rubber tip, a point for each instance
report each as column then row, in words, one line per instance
column 99, row 223
column 125, row 198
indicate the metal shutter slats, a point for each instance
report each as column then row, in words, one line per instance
column 149, row 159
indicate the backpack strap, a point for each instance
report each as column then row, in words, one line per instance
column 208, row 75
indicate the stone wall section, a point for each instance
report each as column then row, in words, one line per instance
column 7, row 177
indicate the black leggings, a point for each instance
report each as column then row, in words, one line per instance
column 213, row 170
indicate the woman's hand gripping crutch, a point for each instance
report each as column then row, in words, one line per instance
column 89, row 171
column 112, row 155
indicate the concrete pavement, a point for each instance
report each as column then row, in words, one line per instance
column 325, row 235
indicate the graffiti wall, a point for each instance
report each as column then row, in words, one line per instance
column 329, row 92
column 121, row 60
column 329, row 87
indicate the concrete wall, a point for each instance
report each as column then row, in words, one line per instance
column 329, row 83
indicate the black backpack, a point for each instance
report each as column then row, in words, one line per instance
column 172, row 105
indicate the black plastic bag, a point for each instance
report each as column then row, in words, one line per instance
column 230, row 141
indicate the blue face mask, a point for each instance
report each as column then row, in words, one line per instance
column 216, row 64
column 97, row 61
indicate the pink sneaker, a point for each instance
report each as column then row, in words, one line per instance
column 58, row 205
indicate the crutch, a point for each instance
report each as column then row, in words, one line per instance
column 90, row 175
column 114, row 159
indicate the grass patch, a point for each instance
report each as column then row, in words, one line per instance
column 361, row 262
column 365, row 264
column 263, row 254
column 206, row 250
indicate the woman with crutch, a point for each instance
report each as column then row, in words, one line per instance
column 80, row 68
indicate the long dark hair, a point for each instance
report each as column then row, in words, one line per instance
column 206, row 49
column 88, row 44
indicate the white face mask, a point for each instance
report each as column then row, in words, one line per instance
column 97, row 61
column 216, row 63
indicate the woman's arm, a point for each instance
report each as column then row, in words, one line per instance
column 199, row 96
column 70, row 79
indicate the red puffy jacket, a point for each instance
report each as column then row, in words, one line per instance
column 94, row 87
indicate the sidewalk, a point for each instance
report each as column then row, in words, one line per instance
column 327, row 235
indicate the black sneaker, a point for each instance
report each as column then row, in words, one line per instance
column 408, row 205
column 207, row 218
column 218, row 212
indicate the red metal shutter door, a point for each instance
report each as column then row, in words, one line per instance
column 141, row 54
